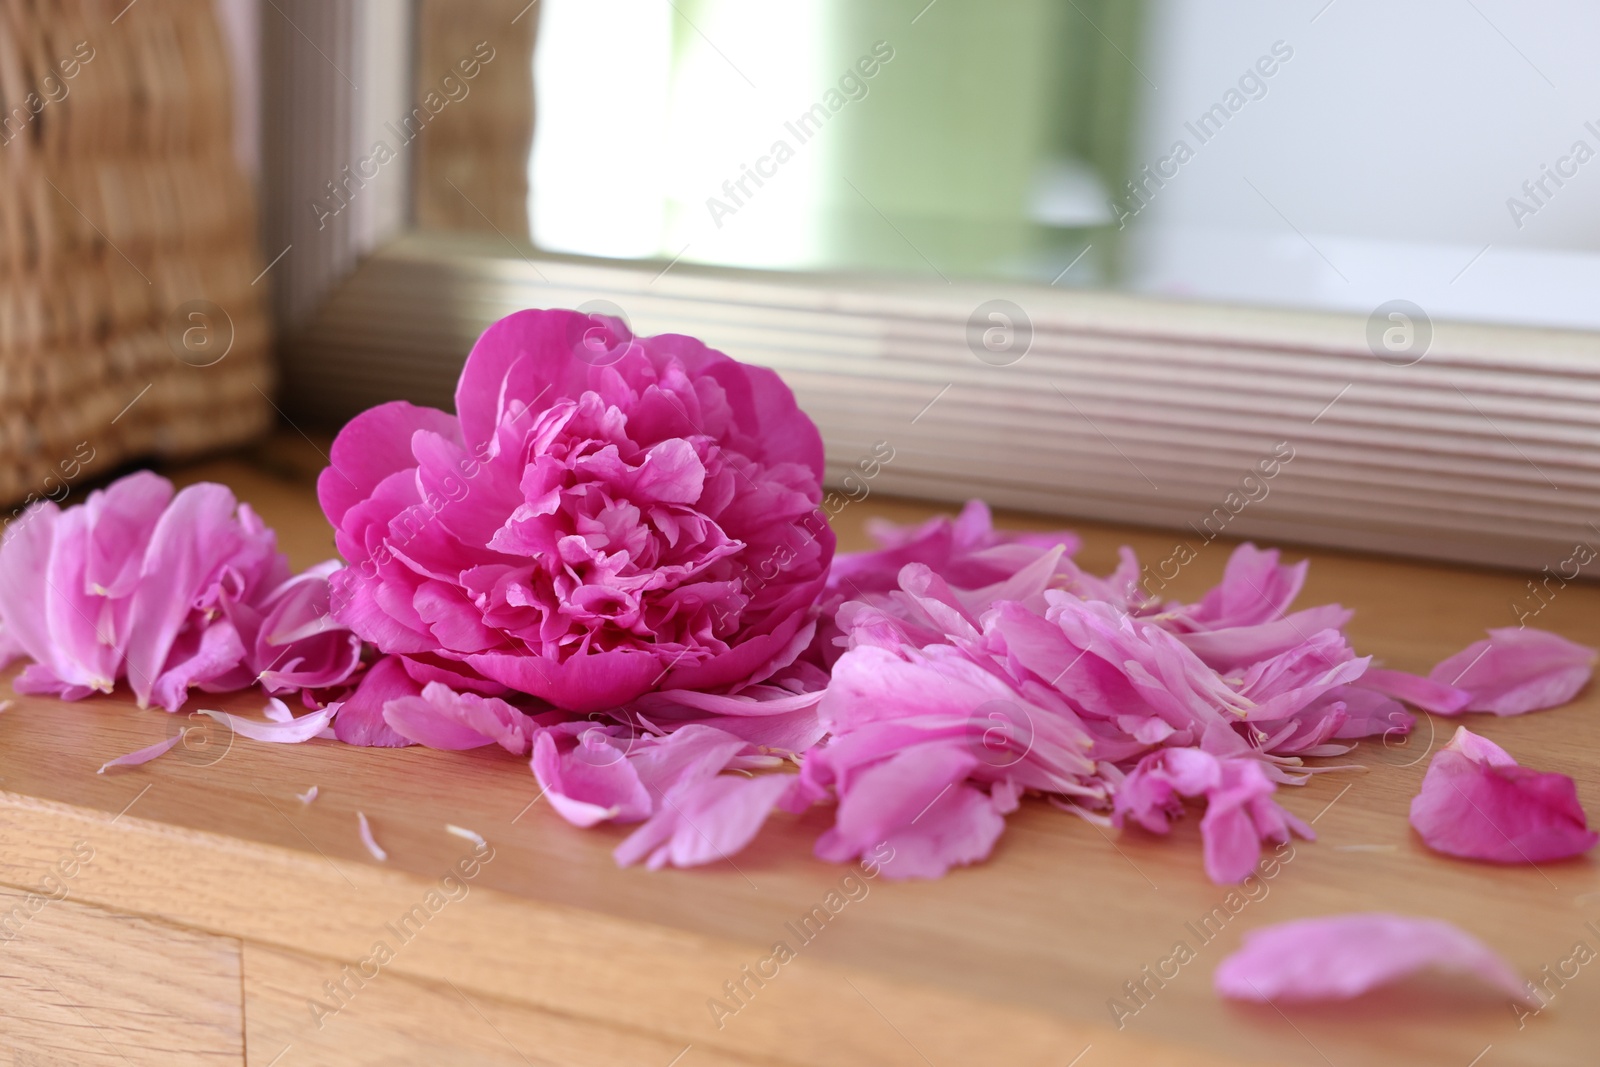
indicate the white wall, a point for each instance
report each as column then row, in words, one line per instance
column 1392, row 140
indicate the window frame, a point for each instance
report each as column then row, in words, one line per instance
column 1124, row 408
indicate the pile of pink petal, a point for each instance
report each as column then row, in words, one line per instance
column 612, row 562
column 168, row 592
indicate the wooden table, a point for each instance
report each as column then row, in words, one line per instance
column 208, row 909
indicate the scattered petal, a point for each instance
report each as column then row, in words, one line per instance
column 704, row 821
column 1429, row 694
column 292, row 732
column 143, row 755
column 462, row 832
column 170, row 591
column 368, row 840
column 1518, row 670
column 308, row 796
column 1337, row 957
column 1477, row 803
column 442, row 718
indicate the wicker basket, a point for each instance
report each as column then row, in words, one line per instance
column 129, row 324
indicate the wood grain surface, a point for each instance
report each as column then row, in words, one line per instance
column 550, row 954
column 83, row 985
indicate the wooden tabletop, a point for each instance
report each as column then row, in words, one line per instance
column 216, row 902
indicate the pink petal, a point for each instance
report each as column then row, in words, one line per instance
column 372, row 446
column 763, row 715
column 24, row 592
column 1240, row 812
column 1477, row 803
column 592, row 782
column 443, row 718
column 1337, row 957
column 85, row 632
column 959, row 828
column 704, row 821
column 1255, row 589
column 360, row 718
column 1239, row 646
column 195, row 535
column 143, row 755
column 298, row 645
column 285, row 733
column 915, row 800
column 217, row 652
column 599, row 681
column 1429, row 694
column 364, row 828
column 1478, row 748
column 11, row 649
column 1518, row 670
column 121, row 518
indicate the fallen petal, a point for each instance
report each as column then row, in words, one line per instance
column 1477, row 803
column 143, row 755
column 367, row 839
column 1337, row 957
column 1517, row 670
column 704, row 821
column 1429, row 694
column 284, row 733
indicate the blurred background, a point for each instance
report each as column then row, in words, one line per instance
column 1199, row 221
column 1232, row 151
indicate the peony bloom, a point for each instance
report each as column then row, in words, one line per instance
column 171, row 591
column 1477, row 803
column 1337, row 957
column 585, row 530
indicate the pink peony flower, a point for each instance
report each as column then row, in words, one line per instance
column 1337, row 957
column 1476, row 802
column 171, row 592
column 584, row 530
column 1517, row 670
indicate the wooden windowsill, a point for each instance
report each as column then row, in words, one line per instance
column 208, row 874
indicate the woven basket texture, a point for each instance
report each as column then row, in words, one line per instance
column 130, row 324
